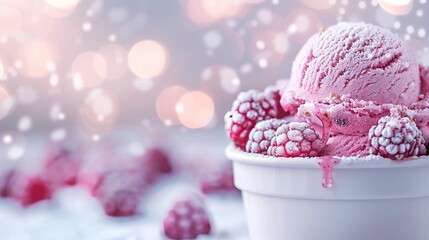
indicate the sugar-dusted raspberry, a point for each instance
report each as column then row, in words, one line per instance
column 396, row 138
column 119, row 192
column 295, row 139
column 187, row 219
column 26, row 189
column 221, row 180
column 121, row 202
column 249, row 108
column 5, row 181
column 155, row 163
column 121, row 179
column 273, row 92
column 261, row 135
column 61, row 167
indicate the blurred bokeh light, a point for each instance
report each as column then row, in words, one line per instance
column 398, row 7
column 89, row 69
column 36, row 58
column 166, row 104
column 104, row 81
column 6, row 101
column 98, row 112
column 195, row 109
column 147, row 59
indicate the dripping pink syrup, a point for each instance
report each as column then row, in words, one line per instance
column 327, row 163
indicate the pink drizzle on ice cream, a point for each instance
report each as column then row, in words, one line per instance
column 327, row 164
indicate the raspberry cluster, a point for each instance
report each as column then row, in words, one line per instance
column 257, row 123
column 261, row 135
column 295, row 139
column 396, row 138
column 249, row 108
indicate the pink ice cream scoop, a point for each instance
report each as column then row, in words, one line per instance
column 347, row 145
column 362, row 60
column 344, row 115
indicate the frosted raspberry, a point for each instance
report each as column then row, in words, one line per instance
column 26, row 189
column 396, row 138
column 187, row 219
column 61, row 167
column 273, row 92
column 5, row 181
column 155, row 163
column 120, row 179
column 121, row 202
column 261, row 135
column 249, row 108
column 295, row 139
column 119, row 192
column 221, row 180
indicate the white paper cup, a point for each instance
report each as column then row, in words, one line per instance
column 372, row 198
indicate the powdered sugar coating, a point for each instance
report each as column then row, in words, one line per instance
column 261, row 135
column 396, row 138
column 121, row 202
column 187, row 219
column 295, row 139
column 249, row 108
column 119, row 191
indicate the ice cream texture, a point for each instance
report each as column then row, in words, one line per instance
column 362, row 60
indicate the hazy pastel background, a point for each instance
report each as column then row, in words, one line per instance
column 88, row 68
column 134, row 73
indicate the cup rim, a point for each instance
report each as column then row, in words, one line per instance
column 235, row 154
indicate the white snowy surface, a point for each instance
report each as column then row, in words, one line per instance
column 74, row 215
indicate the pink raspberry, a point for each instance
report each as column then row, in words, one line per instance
column 273, row 92
column 218, row 181
column 187, row 219
column 121, row 202
column 249, row 108
column 295, row 139
column 26, row 189
column 396, row 138
column 5, row 179
column 424, row 78
column 155, row 163
column 61, row 167
column 119, row 192
column 261, row 135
